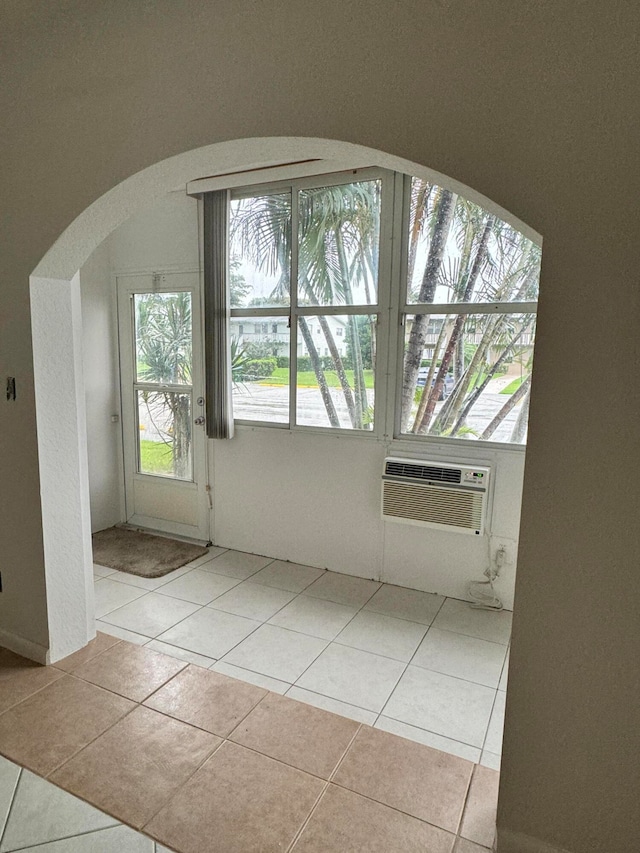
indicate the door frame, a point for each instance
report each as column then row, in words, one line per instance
column 201, row 531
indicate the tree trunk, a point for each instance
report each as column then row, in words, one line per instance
column 426, row 388
column 360, row 391
column 181, row 437
column 520, row 426
column 469, row 403
column 319, row 372
column 478, row 264
column 342, row 376
column 513, row 400
column 413, row 355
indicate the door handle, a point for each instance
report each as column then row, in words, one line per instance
column 199, row 420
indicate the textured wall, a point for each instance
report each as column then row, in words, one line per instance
column 533, row 104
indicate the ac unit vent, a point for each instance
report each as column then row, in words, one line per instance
column 417, row 471
column 448, row 497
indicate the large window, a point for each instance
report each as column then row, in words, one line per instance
column 468, row 312
column 304, row 303
column 331, row 277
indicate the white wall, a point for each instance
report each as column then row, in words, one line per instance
column 314, row 498
column 102, row 392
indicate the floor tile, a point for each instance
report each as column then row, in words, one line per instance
column 149, row 584
column 180, row 654
column 43, row 812
column 461, row 656
column 479, row 819
column 490, row 759
column 198, row 587
column 210, row 632
column 314, row 616
column 290, row 576
column 247, row 675
column 353, row 676
column 117, row 839
column 129, row 670
column 212, row 552
column 343, row 589
column 405, row 603
column 445, row 744
column 344, row 821
column 415, row 779
column 110, row 595
column 255, row 601
column 464, row 846
column 505, row 674
column 75, row 712
column 151, row 615
column 101, row 643
column 276, row 652
column 133, row 769
column 121, row 633
column 238, row 802
column 102, row 571
column 493, row 742
column 460, row 617
column 9, row 775
column 382, row 635
column 236, row 564
column 439, row 703
column 297, row 734
column 318, row 700
column 20, row 678
column 207, row 699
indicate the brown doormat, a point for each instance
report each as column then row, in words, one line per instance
column 142, row 553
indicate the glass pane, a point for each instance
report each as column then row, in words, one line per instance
column 459, row 252
column 335, row 371
column 339, row 244
column 260, row 251
column 163, row 338
column 468, row 376
column 260, row 368
column 164, row 428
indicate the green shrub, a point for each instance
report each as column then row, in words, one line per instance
column 282, row 361
column 259, row 368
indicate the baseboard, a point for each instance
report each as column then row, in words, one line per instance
column 32, row 651
column 517, row 842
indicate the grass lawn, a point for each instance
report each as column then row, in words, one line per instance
column 155, row 457
column 307, row 379
column 512, row 387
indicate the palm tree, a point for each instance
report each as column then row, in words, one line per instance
column 163, row 347
column 337, row 253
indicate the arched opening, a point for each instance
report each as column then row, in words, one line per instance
column 57, row 345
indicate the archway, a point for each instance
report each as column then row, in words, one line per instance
column 57, row 330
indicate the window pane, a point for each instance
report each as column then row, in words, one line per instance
column 260, row 368
column 339, row 237
column 164, row 429
column 459, row 252
column 336, row 389
column 163, row 338
column 260, row 251
column 468, row 376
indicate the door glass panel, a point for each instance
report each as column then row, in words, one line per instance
column 163, row 338
column 164, row 434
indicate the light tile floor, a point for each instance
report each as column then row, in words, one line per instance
column 145, row 753
column 421, row 666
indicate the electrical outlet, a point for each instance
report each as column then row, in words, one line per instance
column 503, row 553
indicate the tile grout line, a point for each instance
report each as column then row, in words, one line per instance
column 11, row 803
column 70, row 837
column 305, row 822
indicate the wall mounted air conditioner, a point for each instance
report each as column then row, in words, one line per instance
column 435, row 494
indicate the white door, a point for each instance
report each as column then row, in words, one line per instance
column 162, row 403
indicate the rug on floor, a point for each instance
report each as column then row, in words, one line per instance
column 141, row 553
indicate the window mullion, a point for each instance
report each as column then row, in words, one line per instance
column 293, row 311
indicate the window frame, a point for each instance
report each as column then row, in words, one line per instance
column 294, row 310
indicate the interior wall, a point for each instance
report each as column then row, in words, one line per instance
column 102, row 392
column 533, row 104
column 314, row 498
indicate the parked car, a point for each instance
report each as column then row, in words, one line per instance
column 449, row 382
